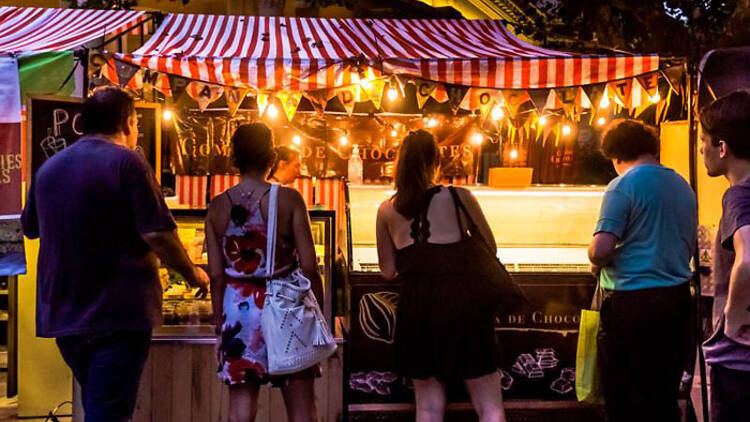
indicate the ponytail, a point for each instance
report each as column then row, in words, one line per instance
column 415, row 170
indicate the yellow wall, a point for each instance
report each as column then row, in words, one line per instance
column 674, row 147
column 44, row 381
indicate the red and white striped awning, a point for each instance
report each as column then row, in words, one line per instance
column 29, row 29
column 281, row 53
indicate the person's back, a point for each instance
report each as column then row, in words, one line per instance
column 658, row 237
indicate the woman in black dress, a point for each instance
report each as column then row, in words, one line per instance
column 442, row 333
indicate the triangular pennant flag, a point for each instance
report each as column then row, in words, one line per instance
column 582, row 100
column 566, row 98
column 109, row 71
column 319, row 99
column 178, row 86
column 553, row 102
column 262, row 100
column 649, row 82
column 150, row 77
column 622, row 90
column 440, row 94
column 514, row 100
column 289, row 102
column 348, row 97
column 135, row 83
column 375, row 92
column 162, row 84
column 539, row 98
column 674, row 76
column 479, row 99
column 204, row 94
column 125, row 72
column 425, row 90
column 595, row 94
column 456, row 94
column 234, row 97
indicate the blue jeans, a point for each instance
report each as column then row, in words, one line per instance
column 108, row 367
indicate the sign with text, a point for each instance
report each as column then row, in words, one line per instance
column 10, row 168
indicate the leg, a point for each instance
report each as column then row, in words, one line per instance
column 299, row 399
column 114, row 373
column 243, row 402
column 76, row 355
column 730, row 395
column 487, row 397
column 430, row 398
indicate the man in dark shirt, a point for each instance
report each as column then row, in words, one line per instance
column 725, row 146
column 103, row 226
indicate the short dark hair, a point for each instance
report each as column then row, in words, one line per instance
column 252, row 147
column 107, row 111
column 628, row 139
column 728, row 119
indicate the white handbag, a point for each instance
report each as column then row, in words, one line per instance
column 296, row 334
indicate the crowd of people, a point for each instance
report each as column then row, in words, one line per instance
column 104, row 228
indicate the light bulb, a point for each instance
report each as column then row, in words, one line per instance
column 655, row 98
column 497, row 113
column 343, row 141
column 604, row 103
column 601, row 121
column 394, row 133
column 167, row 115
column 366, row 84
column 477, row 139
column 542, row 121
column 272, row 111
column 513, row 154
column 297, row 140
column 392, row 94
column 566, row 129
column 432, row 122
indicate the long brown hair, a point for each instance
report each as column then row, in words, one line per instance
column 418, row 159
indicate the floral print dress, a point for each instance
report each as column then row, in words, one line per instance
column 243, row 357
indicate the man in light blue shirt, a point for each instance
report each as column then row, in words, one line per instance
column 641, row 250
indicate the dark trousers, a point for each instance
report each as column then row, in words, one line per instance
column 643, row 345
column 108, row 367
column 730, row 395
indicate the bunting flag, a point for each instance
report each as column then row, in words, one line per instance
column 538, row 97
column 595, row 93
column 289, row 102
column 348, row 98
column 622, row 91
column 649, row 82
column 204, row 94
column 374, row 91
column 479, row 99
column 567, row 99
column 514, row 100
column 125, row 72
column 178, row 86
column 135, row 83
column 263, row 100
column 440, row 94
column 456, row 94
column 552, row 102
column 109, row 72
column 425, row 90
column 234, row 97
column 675, row 76
column 582, row 99
column 319, row 99
column 162, row 84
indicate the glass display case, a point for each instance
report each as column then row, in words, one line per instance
column 537, row 229
column 184, row 315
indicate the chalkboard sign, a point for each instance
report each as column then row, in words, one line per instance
column 55, row 124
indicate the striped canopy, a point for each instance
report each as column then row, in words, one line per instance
column 28, row 29
column 281, row 53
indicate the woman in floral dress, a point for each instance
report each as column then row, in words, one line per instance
column 236, row 239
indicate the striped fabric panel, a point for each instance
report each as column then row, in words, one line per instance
column 330, row 193
column 42, row 30
column 191, row 190
column 222, row 182
column 274, row 53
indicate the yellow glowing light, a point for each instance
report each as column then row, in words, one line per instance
column 167, row 115
column 392, row 94
column 477, row 139
column 496, row 113
column 343, row 141
column 655, row 98
column 542, row 121
column 297, row 140
column 601, row 121
column 513, row 154
column 272, row 111
column 394, row 133
column 604, row 103
column 566, row 129
column 432, row 123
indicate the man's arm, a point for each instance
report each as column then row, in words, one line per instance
column 738, row 300
column 169, row 249
column 602, row 249
column 613, row 218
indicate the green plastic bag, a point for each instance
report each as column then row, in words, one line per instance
column 588, row 381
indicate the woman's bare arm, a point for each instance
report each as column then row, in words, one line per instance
column 386, row 248
column 216, row 223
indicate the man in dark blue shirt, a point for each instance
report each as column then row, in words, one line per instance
column 103, row 226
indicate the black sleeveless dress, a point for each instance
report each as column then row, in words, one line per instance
column 443, row 329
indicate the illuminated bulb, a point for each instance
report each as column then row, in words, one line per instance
column 513, row 154
column 655, row 98
column 392, row 94
column 497, row 113
column 167, row 115
column 601, row 121
column 297, row 140
column 477, row 139
column 542, row 121
column 343, row 141
column 366, row 84
column 604, row 103
column 272, row 111
column 394, row 133
column 432, row 122
column 566, row 130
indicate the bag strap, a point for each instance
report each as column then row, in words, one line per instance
column 273, row 217
column 473, row 228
